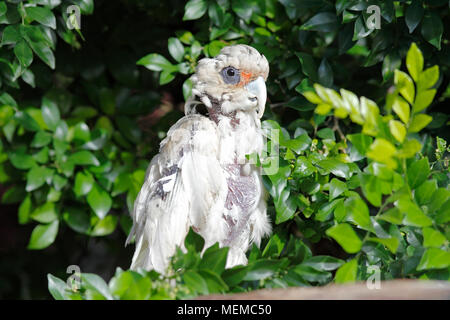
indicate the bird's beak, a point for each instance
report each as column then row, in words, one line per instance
column 258, row 88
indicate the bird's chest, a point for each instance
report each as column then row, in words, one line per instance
column 237, row 141
column 242, row 189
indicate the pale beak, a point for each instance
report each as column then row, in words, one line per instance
column 258, row 88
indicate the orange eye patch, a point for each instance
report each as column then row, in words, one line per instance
column 245, row 77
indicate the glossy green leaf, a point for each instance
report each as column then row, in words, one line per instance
column 45, row 213
column 337, row 187
column 401, row 108
column 423, row 100
column 176, row 49
column 43, row 235
column 432, row 29
column 432, row 238
column 99, row 200
column 194, row 9
column 434, row 258
column 23, row 53
column 414, row 61
column 42, row 15
column 347, row 272
column 405, row 86
column 418, row 172
column 419, row 122
column 398, row 130
column 390, row 243
column 347, row 238
column 413, row 15
column 83, row 183
column 84, row 158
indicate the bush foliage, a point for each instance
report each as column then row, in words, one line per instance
column 362, row 186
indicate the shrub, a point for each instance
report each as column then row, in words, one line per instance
column 363, row 182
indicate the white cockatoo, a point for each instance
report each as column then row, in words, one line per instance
column 201, row 177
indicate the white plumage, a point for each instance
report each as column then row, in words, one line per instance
column 201, row 178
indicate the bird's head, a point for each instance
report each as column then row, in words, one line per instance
column 233, row 80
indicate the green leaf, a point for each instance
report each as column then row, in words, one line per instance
column 43, row 235
column 37, row 41
column 311, row 274
column 299, row 144
column 194, row 241
column 336, row 167
column 323, row 263
column 347, row 272
column 424, row 192
column 414, row 61
column 323, row 21
column 176, row 49
column 213, row 281
column 41, row 139
column 21, row 160
column 99, row 200
column 77, row 219
column 423, row 100
column 235, row 275
column 36, row 177
column 381, row 150
column 94, row 282
column 45, row 213
column 84, row 158
column 25, row 210
column 194, row 9
column 11, row 35
column 428, row 78
column 390, row 243
column 413, row 215
column 337, row 187
column 361, row 142
column 214, row 259
column 195, row 282
column 358, row 212
column 50, row 113
column 347, row 238
column 434, row 258
column 409, row 149
column 439, row 197
column 262, row 269
column 105, row 226
column 57, row 288
column 285, row 206
column 42, row 15
column 83, row 183
column 155, row 62
column 398, row 130
column 405, row 85
column 27, row 121
column 23, row 53
column 392, row 215
column 371, row 188
column 432, row 238
column 432, row 29
column 166, row 77
column 419, row 122
column 418, row 172
column 413, row 15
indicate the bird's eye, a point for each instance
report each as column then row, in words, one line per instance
column 231, row 75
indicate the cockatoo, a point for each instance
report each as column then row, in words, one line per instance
column 201, row 177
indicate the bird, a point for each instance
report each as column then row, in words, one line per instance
column 202, row 178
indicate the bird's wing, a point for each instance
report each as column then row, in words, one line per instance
column 184, row 186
